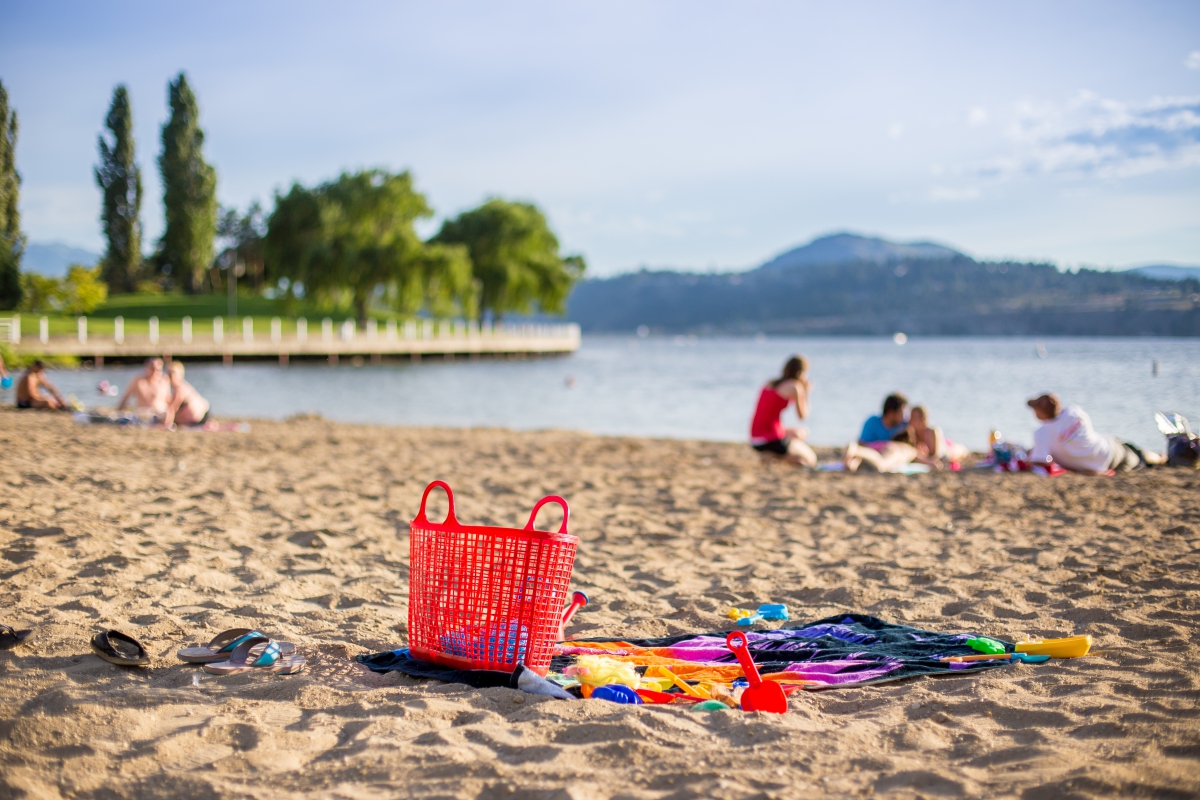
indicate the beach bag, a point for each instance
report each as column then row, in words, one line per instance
column 1183, row 449
column 484, row 597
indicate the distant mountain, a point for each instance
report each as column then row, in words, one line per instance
column 1168, row 272
column 849, row 284
column 52, row 259
column 844, row 248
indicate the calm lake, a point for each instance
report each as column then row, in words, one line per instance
column 706, row 388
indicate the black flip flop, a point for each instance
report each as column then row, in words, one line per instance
column 120, row 648
column 10, row 637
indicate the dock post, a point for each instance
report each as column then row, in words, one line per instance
column 247, row 329
column 218, row 329
column 327, row 330
column 276, row 329
column 416, row 358
column 333, row 359
column 119, row 330
column 154, row 330
column 44, row 330
column 227, row 359
column 99, row 362
column 81, row 329
column 302, row 330
column 376, row 358
column 283, row 359
column 187, row 330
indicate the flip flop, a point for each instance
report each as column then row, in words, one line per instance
column 271, row 659
column 225, row 643
column 120, row 648
column 10, row 637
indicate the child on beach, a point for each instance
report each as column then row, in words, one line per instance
column 767, row 433
column 876, row 445
column 29, row 390
column 187, row 407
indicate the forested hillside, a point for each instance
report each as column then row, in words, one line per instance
column 946, row 296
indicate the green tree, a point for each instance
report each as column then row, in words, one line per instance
column 78, row 293
column 189, row 192
column 120, row 180
column 353, row 240
column 12, row 243
column 83, row 290
column 514, row 257
column 242, row 237
column 40, row 294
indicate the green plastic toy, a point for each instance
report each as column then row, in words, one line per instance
column 983, row 644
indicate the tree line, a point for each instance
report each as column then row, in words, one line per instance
column 348, row 242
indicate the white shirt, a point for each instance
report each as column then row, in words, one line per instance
column 1072, row 441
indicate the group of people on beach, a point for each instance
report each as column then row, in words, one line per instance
column 160, row 394
column 898, row 436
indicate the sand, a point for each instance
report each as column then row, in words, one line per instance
column 301, row 528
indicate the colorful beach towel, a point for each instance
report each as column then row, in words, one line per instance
column 839, row 651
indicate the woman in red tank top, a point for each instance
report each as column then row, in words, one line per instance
column 767, row 433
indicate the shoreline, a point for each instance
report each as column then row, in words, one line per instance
column 301, row 527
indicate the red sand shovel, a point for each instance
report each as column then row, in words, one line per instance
column 765, row 696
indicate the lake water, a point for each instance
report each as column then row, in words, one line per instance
column 706, row 388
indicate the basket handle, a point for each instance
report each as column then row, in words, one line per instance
column 451, row 519
column 550, row 499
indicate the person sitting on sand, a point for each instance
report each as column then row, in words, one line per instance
column 767, row 433
column 933, row 448
column 29, row 390
column 1067, row 437
column 876, row 445
column 187, row 407
column 150, row 391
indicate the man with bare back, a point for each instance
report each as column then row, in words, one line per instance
column 150, row 391
column 29, row 390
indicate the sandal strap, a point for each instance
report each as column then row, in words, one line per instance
column 269, row 656
column 227, row 641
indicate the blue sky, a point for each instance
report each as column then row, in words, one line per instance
column 692, row 134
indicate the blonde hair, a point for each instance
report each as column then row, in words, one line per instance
column 177, row 368
column 919, row 410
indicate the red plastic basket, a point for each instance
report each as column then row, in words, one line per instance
column 483, row 597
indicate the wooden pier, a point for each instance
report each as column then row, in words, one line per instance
column 324, row 340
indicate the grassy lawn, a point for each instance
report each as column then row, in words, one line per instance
column 137, row 309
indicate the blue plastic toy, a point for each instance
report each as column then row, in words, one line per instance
column 776, row 611
column 6, row 382
column 746, row 622
column 616, row 693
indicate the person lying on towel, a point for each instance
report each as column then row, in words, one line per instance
column 1067, row 437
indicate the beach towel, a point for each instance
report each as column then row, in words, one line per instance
column 835, row 652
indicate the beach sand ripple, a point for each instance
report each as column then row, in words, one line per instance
column 300, row 529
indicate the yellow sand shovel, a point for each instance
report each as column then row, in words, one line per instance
column 1070, row 647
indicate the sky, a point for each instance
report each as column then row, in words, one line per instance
column 690, row 135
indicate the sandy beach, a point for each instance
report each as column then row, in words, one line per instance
column 300, row 528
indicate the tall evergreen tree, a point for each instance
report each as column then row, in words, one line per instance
column 12, row 243
column 120, row 179
column 189, row 192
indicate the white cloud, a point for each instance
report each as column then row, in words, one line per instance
column 1193, row 60
column 977, row 116
column 1095, row 136
column 895, row 130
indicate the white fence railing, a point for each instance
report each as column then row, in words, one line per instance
column 10, row 329
column 347, row 330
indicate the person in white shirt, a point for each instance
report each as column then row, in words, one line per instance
column 1068, row 438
